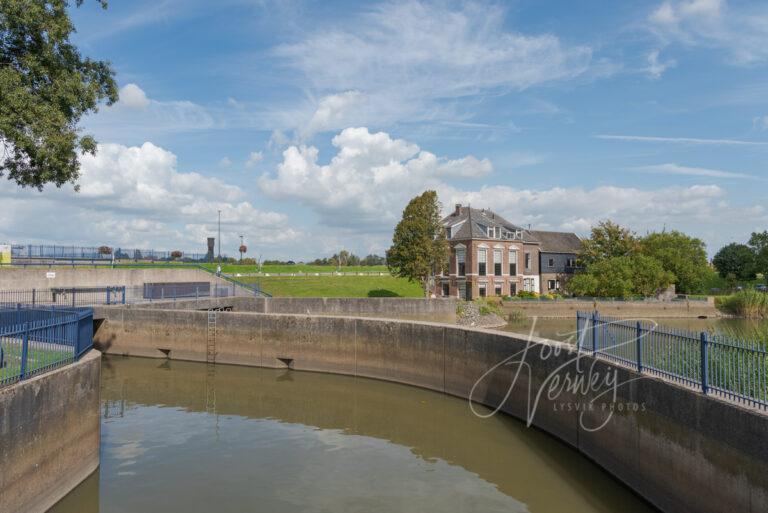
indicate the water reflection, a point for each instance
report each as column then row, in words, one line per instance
column 188, row 437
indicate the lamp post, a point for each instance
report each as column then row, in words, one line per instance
column 219, row 235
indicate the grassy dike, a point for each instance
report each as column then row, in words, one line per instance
column 335, row 286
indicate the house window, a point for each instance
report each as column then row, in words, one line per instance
column 552, row 284
column 497, row 289
column 571, row 262
column 512, row 289
column 527, row 261
column 448, row 233
column 528, row 285
column 497, row 262
column 513, row 263
column 446, row 290
column 481, row 288
column 460, row 262
column 463, row 289
column 482, row 256
column 551, row 262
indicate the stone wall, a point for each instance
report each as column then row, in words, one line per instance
column 437, row 310
column 683, row 451
column 49, row 435
column 25, row 278
column 625, row 309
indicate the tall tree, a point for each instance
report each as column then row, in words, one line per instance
column 683, row 256
column 622, row 276
column 735, row 259
column 419, row 248
column 758, row 241
column 46, row 86
column 607, row 240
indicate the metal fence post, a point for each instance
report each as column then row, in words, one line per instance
column 704, row 363
column 33, row 297
column 123, row 291
column 24, row 351
column 108, row 290
column 73, row 296
column 594, row 331
column 639, row 347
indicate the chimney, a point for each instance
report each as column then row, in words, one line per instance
column 458, row 209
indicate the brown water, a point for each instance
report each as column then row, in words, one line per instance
column 565, row 329
column 185, row 437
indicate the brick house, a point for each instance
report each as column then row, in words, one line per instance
column 489, row 256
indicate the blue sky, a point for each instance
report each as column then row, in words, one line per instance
column 310, row 124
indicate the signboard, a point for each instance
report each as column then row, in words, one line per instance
column 5, row 253
column 50, row 275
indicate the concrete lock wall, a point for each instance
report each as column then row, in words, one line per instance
column 23, row 278
column 437, row 310
column 648, row 309
column 49, row 435
column 683, row 452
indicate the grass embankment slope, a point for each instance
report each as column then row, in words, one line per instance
column 335, row 286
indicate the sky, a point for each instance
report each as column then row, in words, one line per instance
column 310, row 124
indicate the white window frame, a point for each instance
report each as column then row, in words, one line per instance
column 483, row 260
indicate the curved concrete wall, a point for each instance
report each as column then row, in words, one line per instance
column 683, row 451
column 49, row 435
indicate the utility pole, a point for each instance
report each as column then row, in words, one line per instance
column 219, row 235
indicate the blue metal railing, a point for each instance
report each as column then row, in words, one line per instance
column 34, row 340
column 70, row 252
column 64, row 296
column 715, row 364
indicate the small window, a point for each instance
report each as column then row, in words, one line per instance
column 498, row 289
column 482, row 255
column 497, row 262
column 446, row 290
column 448, row 233
column 551, row 262
column 527, row 261
column 513, row 263
column 551, row 284
column 482, row 290
column 512, row 289
column 460, row 259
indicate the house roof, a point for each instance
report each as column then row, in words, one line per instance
column 476, row 221
column 558, row 242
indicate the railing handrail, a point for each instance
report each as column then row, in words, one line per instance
column 731, row 368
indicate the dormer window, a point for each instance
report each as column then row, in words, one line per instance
column 448, row 233
column 519, row 234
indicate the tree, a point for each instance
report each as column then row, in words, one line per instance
column 46, row 86
column 736, row 259
column 419, row 248
column 758, row 241
column 607, row 240
column 622, row 276
column 683, row 256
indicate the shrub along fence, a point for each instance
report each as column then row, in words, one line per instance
column 716, row 364
column 34, row 340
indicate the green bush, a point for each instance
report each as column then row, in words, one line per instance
column 486, row 307
column 524, row 294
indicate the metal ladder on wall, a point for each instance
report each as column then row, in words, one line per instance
column 210, row 355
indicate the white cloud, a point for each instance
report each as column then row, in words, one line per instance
column 681, row 140
column 254, row 158
column 372, row 176
column 760, row 122
column 740, row 31
column 225, row 162
column 334, row 112
column 675, row 169
column 132, row 95
column 136, row 196
column 367, row 182
column 398, row 60
column 656, row 68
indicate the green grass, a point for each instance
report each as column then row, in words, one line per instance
column 36, row 358
column 747, row 303
column 298, row 268
column 336, row 286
